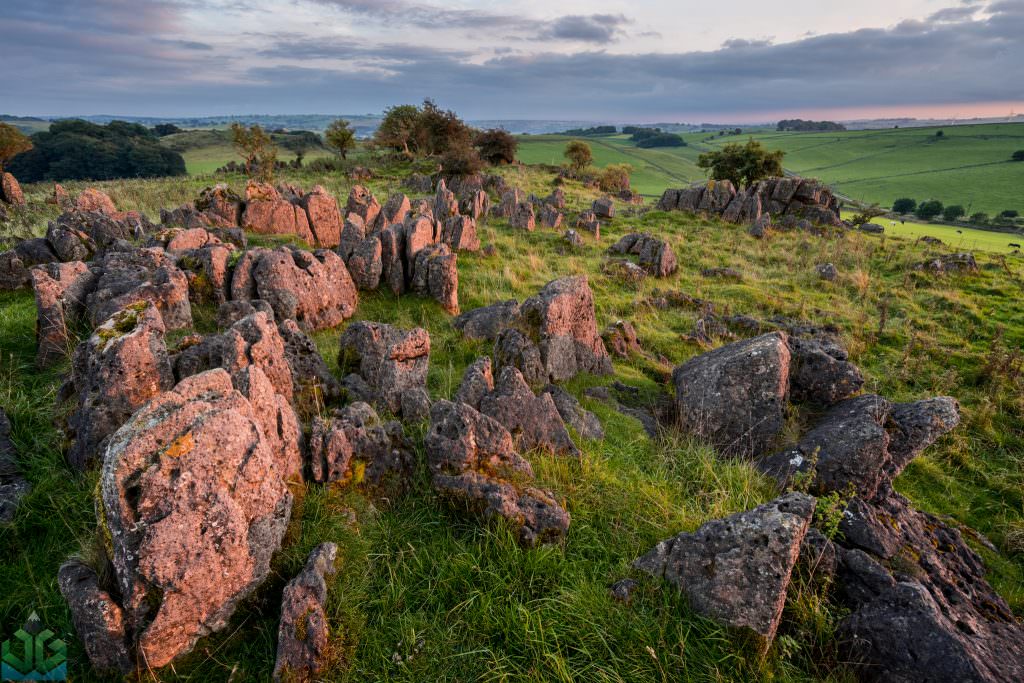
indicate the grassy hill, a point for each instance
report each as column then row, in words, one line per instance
column 206, row 150
column 968, row 165
column 417, row 578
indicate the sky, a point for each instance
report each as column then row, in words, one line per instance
column 594, row 60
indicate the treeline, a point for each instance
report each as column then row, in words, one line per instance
column 805, row 126
column 932, row 209
column 78, row 150
column 653, row 137
column 589, row 132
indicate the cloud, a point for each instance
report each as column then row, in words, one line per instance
column 595, row 28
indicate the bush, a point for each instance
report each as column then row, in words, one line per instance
column 904, row 205
column 801, row 125
column 165, row 129
column 662, row 140
column 742, row 164
column 257, row 149
column 953, row 212
column 78, row 150
column 929, row 209
column 461, row 160
column 979, row 218
column 422, row 131
column 496, row 146
column 614, row 178
column 579, row 155
column 867, row 215
column 1009, row 213
column 1018, row 155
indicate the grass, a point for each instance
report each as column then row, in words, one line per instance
column 426, row 594
column 960, row 239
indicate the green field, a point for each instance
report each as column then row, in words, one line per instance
column 961, row 239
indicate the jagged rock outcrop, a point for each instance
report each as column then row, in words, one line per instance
column 801, row 198
column 963, row 262
column 194, row 504
column 487, row 322
column 60, row 294
column 523, row 217
column 117, row 370
column 137, row 275
column 10, row 190
column 459, row 232
column 436, row 274
column 268, row 213
column 302, row 634
column 621, row 338
column 477, row 382
column 533, row 420
column 604, row 208
column 362, row 203
column 99, row 621
column 322, row 216
column 392, row 363
column 655, row 255
column 735, row 396
column 573, row 414
column 821, row 372
column 474, row 464
column 736, row 570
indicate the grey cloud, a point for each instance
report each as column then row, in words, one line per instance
column 594, row 28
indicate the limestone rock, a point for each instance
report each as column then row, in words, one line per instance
column 391, row 361
column 533, row 421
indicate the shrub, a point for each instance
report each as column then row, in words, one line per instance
column 742, row 164
column 979, row 218
column 929, row 209
column 340, row 137
column 422, row 131
column 165, row 129
column 614, row 178
column 1009, row 213
column 257, row 149
column 1018, row 155
column 662, row 140
column 461, row 160
column 579, row 155
column 953, row 212
column 398, row 127
column 904, row 205
column 496, row 146
column 867, row 215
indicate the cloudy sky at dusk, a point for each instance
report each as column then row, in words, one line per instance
column 659, row 60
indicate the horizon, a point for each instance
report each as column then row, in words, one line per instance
column 601, row 61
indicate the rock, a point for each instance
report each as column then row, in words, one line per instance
column 514, row 349
column 10, row 190
column 561, row 317
column 717, row 196
column 130, row 277
column 820, row 373
column 312, row 380
column 185, row 548
column 622, row 590
column 963, row 262
column 417, row 182
column 556, row 198
column 209, row 273
column 474, row 463
column 99, row 621
column 352, row 234
column 873, row 228
column 723, row 273
column 847, row 449
column 69, row 243
column 573, row 240
column 91, row 200
column 621, row 338
column 323, row 216
column 912, row 427
column 656, row 256
column 230, row 312
column 477, row 205
column 312, row 288
column 573, row 414
column 392, row 249
column 523, row 217
column 477, row 382
column 220, row 206
column 362, row 203
column 760, row 227
column 419, row 234
column 366, row 265
column 781, row 197
column 115, row 372
column 60, row 294
column 735, row 396
column 588, row 221
column 268, row 213
column 533, row 421
column 736, row 570
column 550, row 217
column 395, row 210
column 256, row 341
column 604, row 207
column 391, row 361
column 510, row 200
column 488, row 321
column 818, row 559
column 416, row 405
column 302, row 634
column 355, row 447
column 60, row 198
column 436, row 274
column 827, row 272
column 445, row 204
column 13, row 485
column 459, row 232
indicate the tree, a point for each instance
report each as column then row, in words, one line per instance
column 461, row 160
column 397, row 128
column 979, row 218
column 953, row 212
column 661, row 140
column 904, row 205
column 867, row 215
column 929, row 209
column 742, row 164
column 340, row 137
column 1009, row 213
column 939, row 134
column 579, row 155
column 12, row 143
column 1018, row 155
column 496, row 146
column 614, row 177
column 165, row 129
column 258, row 150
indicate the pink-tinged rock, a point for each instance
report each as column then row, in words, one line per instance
column 534, row 420
column 312, row 288
column 129, row 277
column 93, row 200
column 99, row 621
column 362, row 203
column 303, row 634
column 324, row 216
column 60, row 292
column 10, row 190
column 390, row 361
column 459, row 232
column 268, row 213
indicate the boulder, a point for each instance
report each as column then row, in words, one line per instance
column 873, row 228
column 99, row 621
column 362, row 203
column 312, row 380
column 436, row 274
column 488, row 321
column 514, row 349
column 185, row 548
column 604, row 208
column 474, row 464
column 523, row 217
column 477, row 205
column 573, row 414
column 459, row 232
column 572, row 240
column 821, row 372
column 130, row 277
column 962, row 262
column 534, row 421
column 389, row 360
column 323, row 216
column 220, row 206
column 392, row 255
column 621, row 338
column 355, row 447
column 366, row 265
column 13, row 485
column 656, row 255
column 256, row 341
column 827, row 272
column 10, row 190
column 353, row 232
column 736, row 570
column 396, row 209
column 100, row 231
column 912, row 427
column 510, row 200
column 445, row 204
column 208, row 270
column 91, row 200
column 419, row 234
column 550, row 217
column 302, row 634
column 312, row 288
column 556, row 199
column 230, row 312
column 70, row 243
column 735, row 396
column 588, row 221
column 60, row 295
column 116, row 371
column 477, row 382
column 268, row 213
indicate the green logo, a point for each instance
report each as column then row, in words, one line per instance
column 43, row 657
